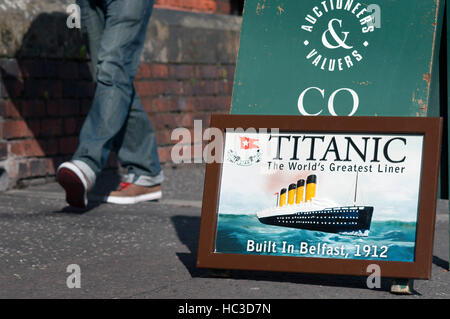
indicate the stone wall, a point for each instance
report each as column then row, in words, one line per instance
column 186, row 72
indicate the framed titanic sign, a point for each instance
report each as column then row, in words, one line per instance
column 322, row 195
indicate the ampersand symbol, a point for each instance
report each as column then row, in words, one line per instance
column 340, row 43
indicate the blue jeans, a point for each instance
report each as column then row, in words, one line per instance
column 116, row 31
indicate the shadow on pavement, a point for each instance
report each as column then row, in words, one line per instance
column 441, row 262
column 187, row 228
column 106, row 182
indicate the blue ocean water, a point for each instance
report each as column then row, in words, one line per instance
column 245, row 234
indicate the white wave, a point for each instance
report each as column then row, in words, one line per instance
column 357, row 233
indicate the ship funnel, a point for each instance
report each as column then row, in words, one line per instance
column 310, row 187
column 291, row 194
column 300, row 191
column 283, row 197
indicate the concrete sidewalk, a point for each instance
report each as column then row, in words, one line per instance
column 149, row 250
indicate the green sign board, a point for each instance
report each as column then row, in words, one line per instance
column 339, row 58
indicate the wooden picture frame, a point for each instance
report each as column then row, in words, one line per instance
column 404, row 134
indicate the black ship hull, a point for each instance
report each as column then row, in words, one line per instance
column 343, row 220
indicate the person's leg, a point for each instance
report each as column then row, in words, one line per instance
column 136, row 143
column 92, row 26
column 142, row 183
column 142, row 163
column 76, row 177
column 122, row 40
column 118, row 58
column 137, row 151
column 137, row 147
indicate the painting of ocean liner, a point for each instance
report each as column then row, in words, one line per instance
column 298, row 207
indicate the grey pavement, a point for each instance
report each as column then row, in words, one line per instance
column 149, row 250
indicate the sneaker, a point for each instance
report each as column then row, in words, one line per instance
column 75, row 183
column 129, row 193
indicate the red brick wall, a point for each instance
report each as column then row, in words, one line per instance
column 208, row 6
column 43, row 104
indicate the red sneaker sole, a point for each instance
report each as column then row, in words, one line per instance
column 75, row 191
